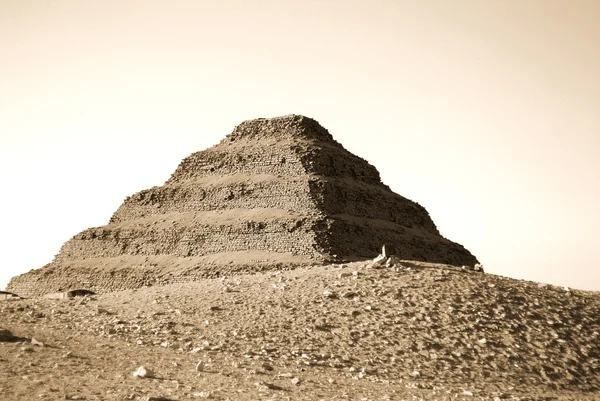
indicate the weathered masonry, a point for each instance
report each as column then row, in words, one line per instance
column 275, row 193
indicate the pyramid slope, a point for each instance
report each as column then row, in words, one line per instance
column 282, row 187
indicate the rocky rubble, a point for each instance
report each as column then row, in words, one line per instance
column 404, row 332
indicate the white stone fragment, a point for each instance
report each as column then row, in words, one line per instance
column 142, row 372
column 36, row 342
column 379, row 260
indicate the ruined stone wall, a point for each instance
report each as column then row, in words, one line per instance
column 350, row 239
column 292, row 127
column 290, row 194
column 273, row 159
column 289, row 147
column 342, row 196
column 91, row 275
column 279, row 159
column 295, row 236
column 324, row 160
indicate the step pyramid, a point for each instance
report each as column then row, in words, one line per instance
column 274, row 194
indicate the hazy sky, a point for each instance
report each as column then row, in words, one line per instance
column 485, row 112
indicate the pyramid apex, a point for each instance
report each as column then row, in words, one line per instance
column 291, row 126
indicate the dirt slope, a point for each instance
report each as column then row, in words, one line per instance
column 420, row 332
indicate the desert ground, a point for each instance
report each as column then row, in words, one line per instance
column 415, row 331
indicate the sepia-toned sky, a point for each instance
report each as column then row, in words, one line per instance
column 486, row 112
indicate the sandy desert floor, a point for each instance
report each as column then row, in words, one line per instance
column 351, row 332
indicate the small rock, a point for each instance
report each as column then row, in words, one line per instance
column 74, row 397
column 200, row 366
column 295, row 381
column 36, row 342
column 379, row 260
column 6, row 335
column 268, row 386
column 467, row 393
column 142, row 372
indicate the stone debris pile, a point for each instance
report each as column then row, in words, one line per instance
column 386, row 258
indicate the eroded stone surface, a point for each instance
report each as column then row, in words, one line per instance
column 275, row 192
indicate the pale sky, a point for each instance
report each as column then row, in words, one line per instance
column 485, row 112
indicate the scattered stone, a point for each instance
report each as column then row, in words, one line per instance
column 295, row 381
column 202, row 394
column 379, row 260
column 36, row 342
column 143, row 372
column 200, row 366
column 269, row 386
column 392, row 261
